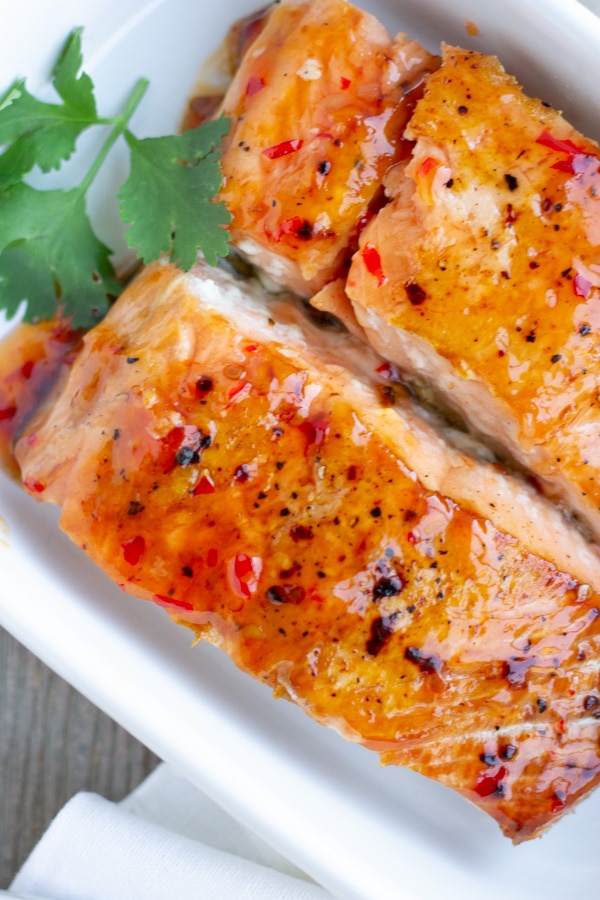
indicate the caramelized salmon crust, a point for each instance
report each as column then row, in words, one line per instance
column 266, row 483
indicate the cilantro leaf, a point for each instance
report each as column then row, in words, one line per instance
column 44, row 134
column 168, row 196
column 49, row 253
column 77, row 92
column 50, row 231
column 24, row 275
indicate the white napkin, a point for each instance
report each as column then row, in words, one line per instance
column 165, row 840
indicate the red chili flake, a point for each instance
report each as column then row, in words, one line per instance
column 205, row 486
column 251, row 348
column 567, row 165
column 212, row 557
column 581, row 286
column 426, row 166
column 169, row 445
column 134, row 549
column 27, row 369
column 288, row 227
column 243, row 577
column 389, row 371
column 242, row 565
column 578, row 159
column 488, row 784
column 238, row 392
column 283, row 149
column 314, row 431
column 8, row 412
column 561, row 146
column 345, row 83
column 254, row 85
column 558, row 801
column 372, row 261
column 164, row 600
column 35, row 487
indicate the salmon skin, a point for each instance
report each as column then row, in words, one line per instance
column 270, row 485
column 318, row 106
column 482, row 274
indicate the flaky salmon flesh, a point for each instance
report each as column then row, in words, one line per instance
column 425, row 582
column 482, row 275
column 251, row 473
column 318, row 107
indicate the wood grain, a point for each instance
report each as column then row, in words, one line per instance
column 53, row 743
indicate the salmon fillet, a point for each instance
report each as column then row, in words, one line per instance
column 265, row 481
column 482, row 275
column 318, row 106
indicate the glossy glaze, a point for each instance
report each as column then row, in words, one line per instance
column 34, row 359
column 225, row 465
column 318, row 104
column 483, row 272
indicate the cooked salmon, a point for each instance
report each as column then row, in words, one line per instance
column 482, row 274
column 272, row 486
column 318, row 106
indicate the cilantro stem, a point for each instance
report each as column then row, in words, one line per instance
column 120, row 124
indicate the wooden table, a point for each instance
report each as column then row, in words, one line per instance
column 53, row 743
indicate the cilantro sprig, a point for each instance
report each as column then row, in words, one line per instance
column 50, row 255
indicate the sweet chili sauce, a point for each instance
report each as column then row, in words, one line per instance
column 206, row 101
column 33, row 360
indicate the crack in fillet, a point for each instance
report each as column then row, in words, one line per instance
column 490, row 273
